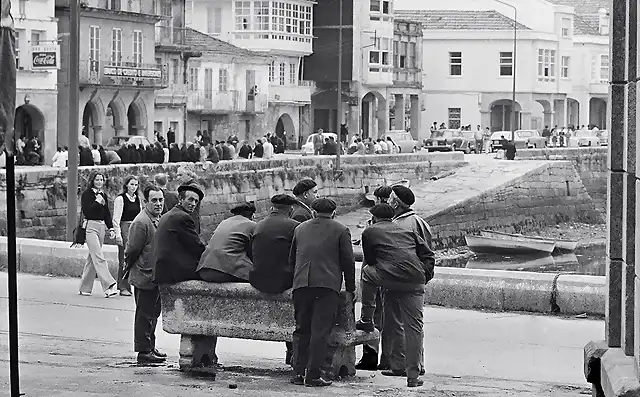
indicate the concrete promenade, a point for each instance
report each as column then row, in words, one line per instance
column 81, row 346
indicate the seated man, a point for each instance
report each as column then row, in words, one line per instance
column 228, row 258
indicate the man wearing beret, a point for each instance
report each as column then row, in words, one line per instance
column 228, row 257
column 382, row 193
column 177, row 246
column 306, row 191
column 321, row 253
column 271, row 245
column 400, row 262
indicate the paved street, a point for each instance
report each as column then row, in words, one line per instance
column 81, row 346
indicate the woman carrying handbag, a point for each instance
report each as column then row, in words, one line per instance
column 126, row 207
column 97, row 221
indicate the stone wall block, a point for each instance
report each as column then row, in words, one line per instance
column 629, row 230
column 631, row 127
column 615, row 215
column 617, row 161
column 618, row 40
column 632, row 40
column 613, row 307
column 628, row 308
column 636, row 331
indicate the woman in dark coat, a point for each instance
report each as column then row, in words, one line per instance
column 86, row 158
column 104, row 158
column 174, row 154
column 123, row 152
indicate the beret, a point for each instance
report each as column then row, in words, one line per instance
column 404, row 194
column 382, row 211
column 324, row 205
column 284, row 199
column 304, row 186
column 383, row 191
column 243, row 207
column 193, row 187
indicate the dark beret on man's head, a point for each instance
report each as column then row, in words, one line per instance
column 304, row 186
column 383, row 192
column 242, row 208
column 283, row 199
column 404, row 194
column 382, row 211
column 324, row 205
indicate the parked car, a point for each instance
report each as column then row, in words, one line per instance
column 584, row 138
column 471, row 136
column 604, row 137
column 448, row 141
column 403, row 140
column 524, row 139
column 116, row 142
column 307, row 148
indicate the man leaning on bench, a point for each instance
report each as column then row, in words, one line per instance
column 275, row 280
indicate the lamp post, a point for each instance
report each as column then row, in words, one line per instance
column 515, row 46
column 339, row 89
column 74, row 127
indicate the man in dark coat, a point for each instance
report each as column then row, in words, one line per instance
column 123, row 152
column 306, row 191
column 175, row 156
column 170, row 198
column 258, row 150
column 321, row 253
column 177, row 245
column 212, row 153
column 86, row 158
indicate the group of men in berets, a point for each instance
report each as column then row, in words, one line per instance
column 300, row 246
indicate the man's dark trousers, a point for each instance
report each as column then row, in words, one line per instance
column 148, row 308
column 315, row 313
column 403, row 311
column 370, row 349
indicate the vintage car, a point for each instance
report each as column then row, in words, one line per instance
column 604, row 137
column 403, row 140
column 307, row 148
column 448, row 141
column 524, row 139
column 116, row 142
column 584, row 138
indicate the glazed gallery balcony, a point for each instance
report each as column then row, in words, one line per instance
column 170, row 36
column 124, row 74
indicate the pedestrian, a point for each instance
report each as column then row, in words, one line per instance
column 306, row 191
column 401, row 199
column 510, row 149
column 170, row 198
column 400, row 262
column 478, row 135
column 126, row 206
column 321, row 256
column 140, row 263
column 228, row 258
column 58, row 160
column 177, row 245
column 258, row 150
column 97, row 221
column 104, row 157
column 95, row 153
column 267, row 149
column 85, row 156
column 382, row 193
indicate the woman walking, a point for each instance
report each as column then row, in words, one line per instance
column 126, row 207
column 97, row 221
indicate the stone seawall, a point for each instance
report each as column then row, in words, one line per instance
column 42, row 202
column 590, row 162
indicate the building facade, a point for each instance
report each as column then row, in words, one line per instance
column 37, row 60
column 223, row 87
column 561, row 63
column 118, row 73
column 282, row 30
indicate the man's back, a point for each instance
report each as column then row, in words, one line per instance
column 170, row 200
column 412, row 221
column 271, row 246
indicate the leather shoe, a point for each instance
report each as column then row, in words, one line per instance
column 149, row 358
column 391, row 372
column 159, row 353
column 298, row 380
column 368, row 363
column 124, row 292
column 417, row 382
column 319, row 382
column 366, row 326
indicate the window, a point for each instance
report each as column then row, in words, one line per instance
column 175, row 69
column 374, row 5
column 243, row 15
column 293, row 73
column 290, row 18
column 411, row 56
column 385, row 48
column 193, row 79
column 291, row 25
column 455, row 64
column 114, row 5
column 380, row 55
column 22, row 8
column 116, row 47
column 208, row 83
column 565, row 67
column 137, row 48
column 594, row 68
column 283, row 67
column 272, row 72
column 566, row 27
column 380, row 6
column 214, row 20
column 604, row 68
column 94, row 43
column 19, row 33
column 223, row 80
column 506, row 63
column 261, row 15
column 37, row 36
column 455, row 117
column 546, row 65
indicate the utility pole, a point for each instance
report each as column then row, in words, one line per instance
column 339, row 89
column 515, row 46
column 74, row 112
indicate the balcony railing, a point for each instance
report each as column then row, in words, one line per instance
column 204, row 101
column 170, row 35
column 407, row 77
column 257, row 103
column 174, row 94
column 104, row 73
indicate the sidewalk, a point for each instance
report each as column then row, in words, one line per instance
column 81, row 346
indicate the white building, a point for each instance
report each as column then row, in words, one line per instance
column 561, row 63
column 37, row 60
column 221, row 84
column 281, row 30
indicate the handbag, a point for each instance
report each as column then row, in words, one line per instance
column 80, row 232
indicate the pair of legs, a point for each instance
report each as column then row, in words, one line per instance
column 96, row 262
column 148, row 308
column 370, row 350
column 123, row 284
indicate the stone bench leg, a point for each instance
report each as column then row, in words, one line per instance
column 198, row 354
column 341, row 361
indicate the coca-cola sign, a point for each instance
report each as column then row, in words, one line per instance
column 44, row 57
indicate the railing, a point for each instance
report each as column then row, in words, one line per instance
column 170, row 35
column 213, row 101
column 405, row 76
column 174, row 94
column 257, row 103
column 94, row 72
column 136, row 6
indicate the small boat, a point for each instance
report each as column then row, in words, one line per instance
column 483, row 244
column 561, row 245
column 489, row 262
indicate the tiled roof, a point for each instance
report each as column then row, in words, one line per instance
column 203, row 42
column 459, row 20
column 587, row 20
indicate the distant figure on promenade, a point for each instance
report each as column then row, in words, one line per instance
column 306, row 191
column 170, row 198
column 126, row 206
column 268, row 150
column 318, row 142
column 510, row 149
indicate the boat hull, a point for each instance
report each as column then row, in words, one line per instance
column 561, row 245
column 482, row 244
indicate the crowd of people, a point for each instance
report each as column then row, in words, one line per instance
column 298, row 245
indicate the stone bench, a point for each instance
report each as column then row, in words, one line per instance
column 199, row 310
